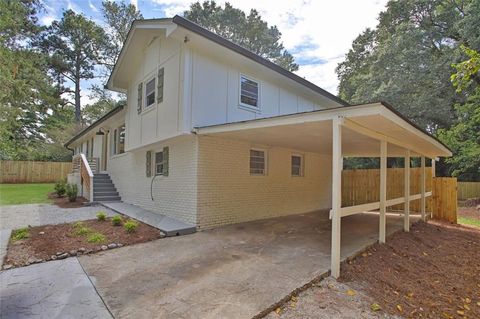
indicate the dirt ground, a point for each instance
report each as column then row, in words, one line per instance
column 62, row 238
column 469, row 212
column 431, row 272
column 63, row 202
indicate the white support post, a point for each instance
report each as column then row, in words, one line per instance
column 433, row 167
column 383, row 190
column 406, row 192
column 337, row 165
column 422, row 187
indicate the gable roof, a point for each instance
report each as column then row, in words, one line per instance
column 193, row 27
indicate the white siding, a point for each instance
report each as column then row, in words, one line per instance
column 215, row 93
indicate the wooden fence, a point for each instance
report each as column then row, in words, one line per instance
column 33, row 172
column 468, row 190
column 445, row 199
column 361, row 186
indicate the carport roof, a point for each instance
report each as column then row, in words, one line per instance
column 364, row 126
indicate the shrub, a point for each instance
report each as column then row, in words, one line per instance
column 96, row 238
column 61, row 188
column 72, row 191
column 81, row 231
column 101, row 216
column 116, row 220
column 21, row 233
column 78, row 224
column 130, row 226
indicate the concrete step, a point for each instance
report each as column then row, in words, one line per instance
column 102, row 183
column 104, row 193
column 102, row 179
column 106, row 198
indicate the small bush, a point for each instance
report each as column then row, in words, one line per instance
column 72, row 192
column 82, row 231
column 116, row 220
column 130, row 226
column 96, row 238
column 101, row 216
column 21, row 233
column 61, row 188
column 78, row 224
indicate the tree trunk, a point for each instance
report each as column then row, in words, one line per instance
column 78, row 110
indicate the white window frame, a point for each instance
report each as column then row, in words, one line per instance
column 265, row 156
column 145, row 106
column 159, row 163
column 302, row 165
column 115, row 140
column 248, row 106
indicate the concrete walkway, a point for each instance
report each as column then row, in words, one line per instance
column 17, row 216
column 231, row 272
column 57, row 289
column 168, row 225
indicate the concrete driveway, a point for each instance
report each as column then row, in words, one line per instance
column 230, row 272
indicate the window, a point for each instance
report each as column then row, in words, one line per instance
column 297, row 165
column 159, row 164
column 118, row 140
column 249, row 92
column 257, row 162
column 150, row 93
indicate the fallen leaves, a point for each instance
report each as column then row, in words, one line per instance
column 400, row 308
column 351, row 292
column 375, row 307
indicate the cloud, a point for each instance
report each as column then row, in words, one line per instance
column 47, row 20
column 90, row 4
column 317, row 33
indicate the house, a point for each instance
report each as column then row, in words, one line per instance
column 213, row 134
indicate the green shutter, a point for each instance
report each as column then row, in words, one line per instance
column 139, row 98
column 160, row 85
column 148, row 164
column 165, row 161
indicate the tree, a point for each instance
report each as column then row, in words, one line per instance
column 464, row 136
column 250, row 32
column 75, row 45
column 407, row 59
column 119, row 18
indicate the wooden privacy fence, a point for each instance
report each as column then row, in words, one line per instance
column 468, row 190
column 361, row 186
column 445, row 199
column 33, row 172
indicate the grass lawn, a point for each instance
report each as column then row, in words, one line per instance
column 469, row 221
column 16, row 194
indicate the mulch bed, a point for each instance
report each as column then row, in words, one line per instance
column 431, row 272
column 61, row 241
column 63, row 202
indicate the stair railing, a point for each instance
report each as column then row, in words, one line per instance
column 87, row 175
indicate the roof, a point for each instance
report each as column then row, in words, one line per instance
column 96, row 123
column 376, row 111
column 191, row 26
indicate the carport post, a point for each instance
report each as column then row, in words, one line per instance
column 337, row 165
column 406, row 192
column 383, row 190
column 422, row 186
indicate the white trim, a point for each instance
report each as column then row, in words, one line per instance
column 383, row 192
column 406, row 192
column 422, row 187
column 337, row 165
column 149, row 79
column 265, row 156
column 258, row 108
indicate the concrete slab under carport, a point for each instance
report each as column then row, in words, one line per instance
column 235, row 271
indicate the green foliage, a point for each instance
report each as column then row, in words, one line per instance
column 82, row 231
column 130, row 226
column 72, row 192
column 77, row 225
column 21, row 233
column 469, row 221
column 249, row 31
column 468, row 71
column 117, row 220
column 101, row 216
column 407, row 59
column 464, row 140
column 96, row 238
column 61, row 188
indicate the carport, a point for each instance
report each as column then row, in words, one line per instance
column 367, row 130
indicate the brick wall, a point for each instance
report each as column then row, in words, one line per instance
column 174, row 195
column 227, row 193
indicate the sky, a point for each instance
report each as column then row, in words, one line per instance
column 318, row 33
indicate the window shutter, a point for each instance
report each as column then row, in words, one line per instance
column 160, row 85
column 139, row 98
column 165, row 161
column 148, row 164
